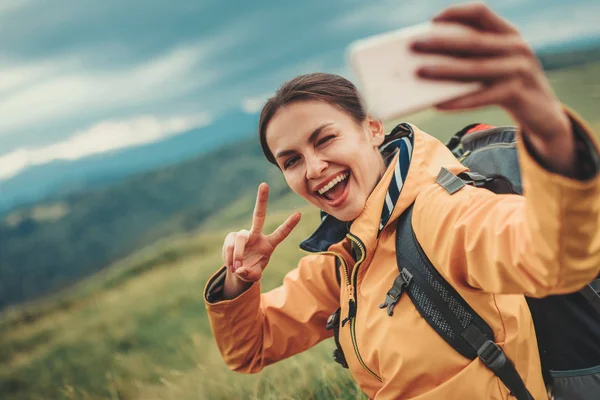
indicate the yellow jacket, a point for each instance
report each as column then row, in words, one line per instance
column 491, row 248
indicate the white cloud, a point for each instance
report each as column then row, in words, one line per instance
column 14, row 77
column 77, row 93
column 101, row 137
column 7, row 6
column 273, row 79
column 388, row 14
column 543, row 25
column 252, row 105
column 550, row 25
column 55, row 90
column 393, row 14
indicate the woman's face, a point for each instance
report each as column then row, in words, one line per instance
column 326, row 157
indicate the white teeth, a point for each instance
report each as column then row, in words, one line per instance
column 333, row 182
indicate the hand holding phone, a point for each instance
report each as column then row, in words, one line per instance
column 386, row 68
column 484, row 57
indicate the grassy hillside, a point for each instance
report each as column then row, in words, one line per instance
column 138, row 329
column 140, row 325
column 49, row 246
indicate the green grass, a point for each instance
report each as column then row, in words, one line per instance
column 138, row 329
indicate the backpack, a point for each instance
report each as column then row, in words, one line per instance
column 567, row 326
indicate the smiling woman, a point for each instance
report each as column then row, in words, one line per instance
column 317, row 145
column 487, row 247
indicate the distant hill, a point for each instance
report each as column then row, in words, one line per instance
column 59, row 178
column 51, row 245
column 558, row 56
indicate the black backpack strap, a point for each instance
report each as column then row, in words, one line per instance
column 333, row 323
column 455, row 140
column 447, row 312
column 338, row 275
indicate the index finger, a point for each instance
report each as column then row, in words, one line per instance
column 477, row 15
column 260, row 209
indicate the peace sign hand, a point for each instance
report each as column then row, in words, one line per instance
column 247, row 253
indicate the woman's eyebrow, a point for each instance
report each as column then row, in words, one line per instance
column 311, row 139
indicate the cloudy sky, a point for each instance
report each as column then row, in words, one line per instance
column 79, row 77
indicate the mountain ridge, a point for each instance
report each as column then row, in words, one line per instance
column 59, row 178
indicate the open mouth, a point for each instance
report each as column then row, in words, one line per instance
column 335, row 190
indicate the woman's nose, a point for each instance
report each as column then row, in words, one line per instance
column 315, row 167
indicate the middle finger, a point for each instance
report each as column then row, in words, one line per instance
column 475, row 44
column 469, row 70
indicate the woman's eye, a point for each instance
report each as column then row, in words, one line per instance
column 290, row 162
column 325, row 139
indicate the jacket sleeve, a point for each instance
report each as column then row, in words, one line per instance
column 254, row 330
column 545, row 242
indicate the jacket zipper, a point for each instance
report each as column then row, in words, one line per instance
column 352, row 295
column 353, row 303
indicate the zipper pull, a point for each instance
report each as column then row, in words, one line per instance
column 351, row 312
column 350, row 289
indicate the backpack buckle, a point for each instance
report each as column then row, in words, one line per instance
column 333, row 321
column 492, row 355
column 393, row 295
column 340, row 358
column 474, row 178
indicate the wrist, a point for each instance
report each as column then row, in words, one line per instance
column 555, row 151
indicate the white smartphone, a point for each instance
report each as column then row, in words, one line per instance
column 385, row 67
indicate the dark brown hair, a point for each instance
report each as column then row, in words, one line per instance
column 328, row 88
